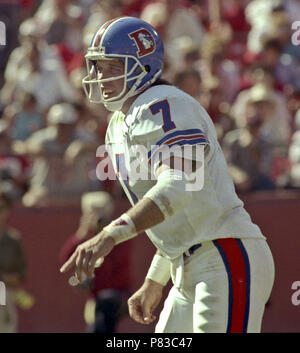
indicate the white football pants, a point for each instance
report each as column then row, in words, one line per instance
column 227, row 283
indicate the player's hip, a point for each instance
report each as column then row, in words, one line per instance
column 226, row 283
column 248, row 260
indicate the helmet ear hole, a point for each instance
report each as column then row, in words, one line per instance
column 147, row 68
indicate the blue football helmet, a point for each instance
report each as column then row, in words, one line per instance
column 138, row 45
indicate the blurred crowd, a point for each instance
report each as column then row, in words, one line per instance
column 236, row 57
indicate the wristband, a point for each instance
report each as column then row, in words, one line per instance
column 121, row 229
column 159, row 270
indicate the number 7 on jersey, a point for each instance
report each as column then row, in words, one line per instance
column 164, row 107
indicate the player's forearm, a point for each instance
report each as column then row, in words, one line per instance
column 167, row 197
column 145, row 214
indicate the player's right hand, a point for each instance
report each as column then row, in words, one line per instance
column 85, row 257
column 143, row 303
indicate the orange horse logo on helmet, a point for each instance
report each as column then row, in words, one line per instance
column 144, row 41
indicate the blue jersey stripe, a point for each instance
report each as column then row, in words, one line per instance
column 179, row 132
column 230, row 287
column 247, row 269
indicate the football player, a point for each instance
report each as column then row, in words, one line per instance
column 218, row 260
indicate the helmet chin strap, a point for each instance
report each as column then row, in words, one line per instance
column 118, row 104
column 114, row 106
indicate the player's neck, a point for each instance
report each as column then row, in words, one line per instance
column 128, row 103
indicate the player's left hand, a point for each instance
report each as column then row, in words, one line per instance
column 86, row 255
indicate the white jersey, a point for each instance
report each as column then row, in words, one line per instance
column 166, row 115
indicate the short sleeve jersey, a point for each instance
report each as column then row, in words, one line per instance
column 166, row 116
